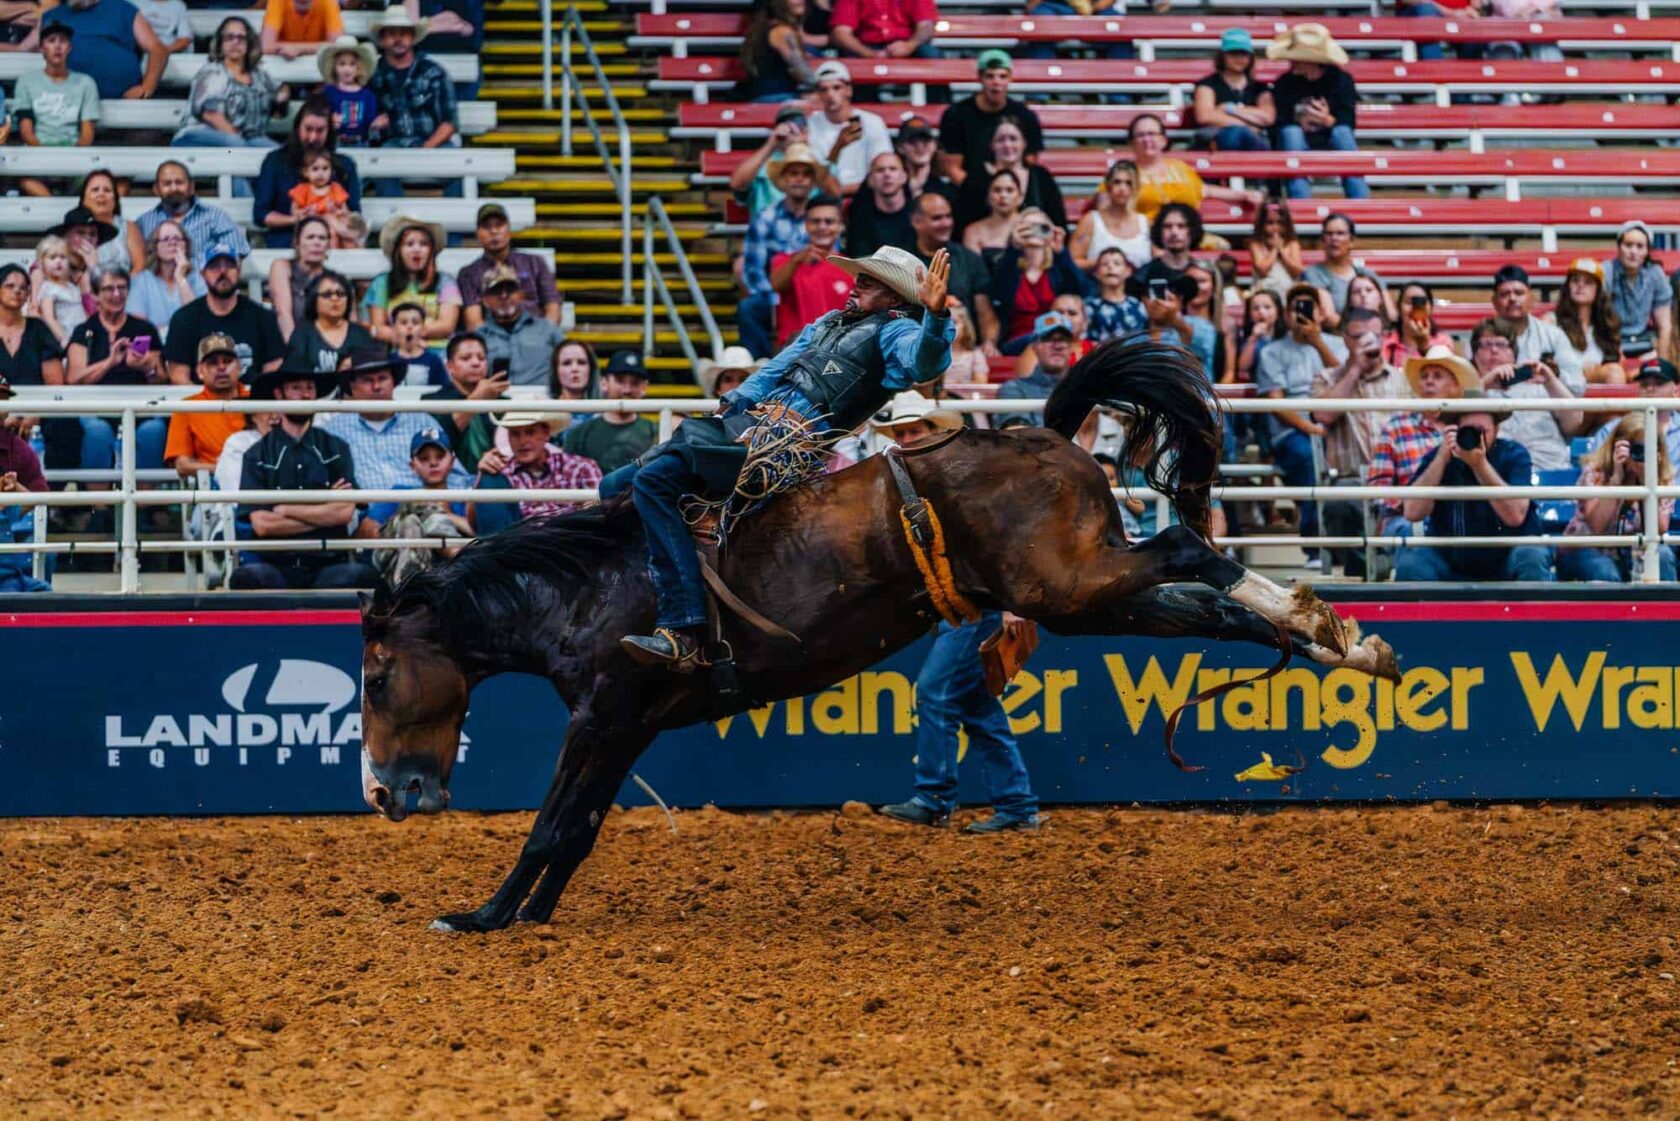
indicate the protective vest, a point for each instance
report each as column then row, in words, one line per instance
column 843, row 371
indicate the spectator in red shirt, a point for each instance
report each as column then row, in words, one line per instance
column 807, row 283
column 885, row 28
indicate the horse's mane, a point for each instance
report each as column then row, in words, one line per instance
column 492, row 577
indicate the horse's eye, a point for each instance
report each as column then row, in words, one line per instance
column 375, row 685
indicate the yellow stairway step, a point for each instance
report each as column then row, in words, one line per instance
column 534, row 49
column 541, row 235
column 591, row 161
column 632, row 336
column 696, row 259
column 697, row 210
column 610, row 286
column 581, row 139
column 538, row 116
column 595, row 27
column 534, row 70
column 533, row 92
column 639, row 184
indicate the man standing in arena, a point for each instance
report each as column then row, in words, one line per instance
column 895, row 333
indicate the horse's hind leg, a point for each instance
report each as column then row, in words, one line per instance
column 1176, row 555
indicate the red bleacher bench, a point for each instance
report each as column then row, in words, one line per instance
column 1599, row 33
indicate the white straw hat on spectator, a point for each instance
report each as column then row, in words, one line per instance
column 909, row 407
column 523, row 419
column 896, row 268
column 327, row 57
column 737, row 358
column 797, row 155
column 1307, row 42
column 1448, row 358
column 394, row 229
column 833, row 70
column 397, row 17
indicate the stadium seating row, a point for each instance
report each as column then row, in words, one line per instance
column 471, row 165
column 183, row 68
column 164, row 114
column 356, row 264
column 37, row 215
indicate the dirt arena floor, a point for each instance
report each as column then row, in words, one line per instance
column 1425, row 962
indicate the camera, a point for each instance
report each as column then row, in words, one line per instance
column 1420, row 303
column 1043, row 229
column 1469, row 439
column 1636, row 450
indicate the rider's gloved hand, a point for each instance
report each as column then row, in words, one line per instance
column 733, row 404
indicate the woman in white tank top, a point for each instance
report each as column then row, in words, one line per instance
column 1112, row 222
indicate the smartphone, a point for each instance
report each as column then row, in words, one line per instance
column 1420, row 303
column 140, row 346
column 1303, row 307
column 1522, row 373
column 1158, row 287
column 499, row 368
column 1469, row 438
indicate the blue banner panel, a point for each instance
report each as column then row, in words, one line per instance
column 239, row 711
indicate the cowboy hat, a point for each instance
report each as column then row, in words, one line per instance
column 78, row 216
column 327, row 57
column 796, row 154
column 523, row 419
column 910, row 407
column 897, row 268
column 1447, row 357
column 266, row 386
column 707, row 371
column 1500, row 416
column 397, row 17
column 1307, row 42
column 396, row 227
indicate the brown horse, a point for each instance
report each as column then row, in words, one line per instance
column 1029, row 525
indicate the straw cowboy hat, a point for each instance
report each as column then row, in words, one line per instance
column 523, row 419
column 1307, row 42
column 898, row 269
column 1466, row 374
column 327, row 57
column 795, row 155
column 397, row 17
column 910, row 407
column 394, row 229
column 737, row 358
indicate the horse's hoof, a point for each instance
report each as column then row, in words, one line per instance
column 470, row 923
column 1387, row 665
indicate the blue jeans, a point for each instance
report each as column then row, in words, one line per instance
column 672, row 562
column 1293, row 138
column 203, row 136
column 1293, row 455
column 1611, row 566
column 755, row 319
column 1048, row 50
column 950, row 693
column 1239, row 138
column 1426, row 52
column 262, row 574
column 99, row 442
column 1524, row 562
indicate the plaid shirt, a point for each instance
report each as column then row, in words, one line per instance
column 1399, row 451
column 417, row 99
column 775, row 229
column 203, row 224
column 380, row 451
column 563, row 472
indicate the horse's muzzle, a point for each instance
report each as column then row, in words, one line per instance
column 386, row 789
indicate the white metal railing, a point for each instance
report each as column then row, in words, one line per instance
column 128, row 498
column 571, row 23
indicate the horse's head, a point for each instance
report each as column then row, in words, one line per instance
column 414, row 699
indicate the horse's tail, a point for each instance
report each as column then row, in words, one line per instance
column 1173, row 408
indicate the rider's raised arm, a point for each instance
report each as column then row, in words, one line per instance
column 917, row 353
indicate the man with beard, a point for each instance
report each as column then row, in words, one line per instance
column 295, row 455
column 223, row 309
column 416, row 97
column 203, row 224
column 1177, row 230
column 895, row 333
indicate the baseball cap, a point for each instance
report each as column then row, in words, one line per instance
column 914, row 129
column 626, row 363
column 831, row 71
column 217, row 343
column 1237, row 39
column 1509, row 273
column 218, row 249
column 500, row 276
column 1587, row 267
column 994, row 58
column 1049, row 323
column 59, row 28
column 1629, row 226
column 428, row 438
column 1660, row 368
column 792, row 111
column 491, row 210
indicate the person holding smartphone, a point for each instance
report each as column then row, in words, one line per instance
column 1472, row 454
column 1287, row 368
column 20, row 470
column 1619, row 462
column 1504, row 373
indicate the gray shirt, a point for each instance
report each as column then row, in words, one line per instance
column 528, row 345
column 1291, row 366
column 1635, row 297
column 1030, row 387
column 1320, row 276
column 1537, row 431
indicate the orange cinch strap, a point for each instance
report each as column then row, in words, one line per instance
column 935, row 567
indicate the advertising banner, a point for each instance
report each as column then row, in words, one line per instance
column 243, row 711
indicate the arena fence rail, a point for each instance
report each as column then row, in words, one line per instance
column 128, row 498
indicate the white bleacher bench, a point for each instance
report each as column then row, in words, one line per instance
column 459, row 216
column 471, row 165
column 167, row 114
column 356, row 264
column 183, row 68
column 205, row 21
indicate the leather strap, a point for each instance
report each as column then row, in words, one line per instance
column 926, row 539
column 734, row 602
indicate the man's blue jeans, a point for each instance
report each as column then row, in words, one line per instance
column 1524, row 562
column 951, row 693
column 1293, row 138
column 1294, row 457
column 1612, row 566
column 1426, row 52
column 755, row 319
column 1237, row 138
column 673, row 564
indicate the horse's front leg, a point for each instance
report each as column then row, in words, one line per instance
column 593, row 764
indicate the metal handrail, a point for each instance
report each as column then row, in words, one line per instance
column 571, row 23
column 653, row 284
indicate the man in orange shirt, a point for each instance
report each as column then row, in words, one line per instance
column 196, row 439
column 298, row 27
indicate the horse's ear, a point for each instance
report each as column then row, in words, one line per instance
column 375, row 604
column 365, row 600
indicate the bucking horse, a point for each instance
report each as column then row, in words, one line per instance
column 1028, row 525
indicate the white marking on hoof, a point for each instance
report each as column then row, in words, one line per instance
column 443, row 927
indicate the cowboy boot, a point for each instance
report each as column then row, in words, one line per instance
column 676, row 650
